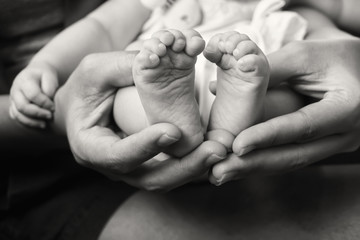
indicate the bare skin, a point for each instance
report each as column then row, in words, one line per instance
column 164, row 77
column 243, row 77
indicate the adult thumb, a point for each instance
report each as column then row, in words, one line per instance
column 284, row 64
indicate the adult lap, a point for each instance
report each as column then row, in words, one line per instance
column 319, row 202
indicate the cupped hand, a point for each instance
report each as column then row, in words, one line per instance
column 326, row 71
column 86, row 103
column 32, row 95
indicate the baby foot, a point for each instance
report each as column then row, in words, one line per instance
column 242, row 79
column 164, row 77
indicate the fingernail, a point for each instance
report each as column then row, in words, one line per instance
column 214, row 158
column 166, row 140
column 224, row 178
column 244, row 150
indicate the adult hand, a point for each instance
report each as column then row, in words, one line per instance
column 326, row 71
column 86, row 103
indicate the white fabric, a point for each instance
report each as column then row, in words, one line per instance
column 152, row 4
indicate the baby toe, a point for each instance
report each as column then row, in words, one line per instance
column 231, row 40
column 212, row 51
column 155, row 46
column 253, row 63
column 179, row 42
column 165, row 37
column 244, row 48
column 147, row 59
column 195, row 44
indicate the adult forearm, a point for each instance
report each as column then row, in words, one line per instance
column 320, row 26
column 344, row 13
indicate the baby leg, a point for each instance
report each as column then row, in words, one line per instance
column 163, row 73
column 242, row 80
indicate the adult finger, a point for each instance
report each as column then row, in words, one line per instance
column 104, row 71
column 284, row 63
column 281, row 159
column 104, row 149
column 171, row 173
column 326, row 117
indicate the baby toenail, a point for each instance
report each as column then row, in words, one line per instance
column 210, row 49
column 236, row 52
column 221, row 44
column 153, row 57
column 161, row 46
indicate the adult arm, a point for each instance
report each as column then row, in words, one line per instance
column 86, row 102
column 325, row 70
column 344, row 13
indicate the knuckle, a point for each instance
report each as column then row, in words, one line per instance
column 117, row 166
column 149, row 150
column 309, row 130
column 272, row 138
column 299, row 160
column 89, row 63
column 190, row 168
